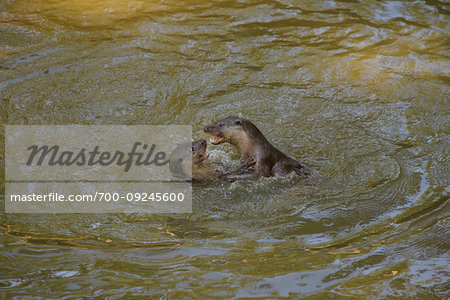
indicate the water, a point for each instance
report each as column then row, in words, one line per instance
column 358, row 90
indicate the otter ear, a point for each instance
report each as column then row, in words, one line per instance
column 238, row 122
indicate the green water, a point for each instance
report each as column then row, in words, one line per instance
column 358, row 90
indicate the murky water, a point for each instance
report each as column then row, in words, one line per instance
column 358, row 90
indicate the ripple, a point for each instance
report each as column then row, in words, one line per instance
column 356, row 90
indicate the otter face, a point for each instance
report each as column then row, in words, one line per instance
column 198, row 150
column 223, row 130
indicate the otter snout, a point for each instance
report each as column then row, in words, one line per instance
column 216, row 133
column 203, row 147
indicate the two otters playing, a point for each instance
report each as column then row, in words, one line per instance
column 261, row 158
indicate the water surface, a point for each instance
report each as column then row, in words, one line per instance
column 358, row 90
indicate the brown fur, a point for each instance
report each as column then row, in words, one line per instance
column 190, row 160
column 260, row 157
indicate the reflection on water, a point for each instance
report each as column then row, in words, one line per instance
column 358, row 90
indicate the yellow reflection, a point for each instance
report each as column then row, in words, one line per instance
column 84, row 13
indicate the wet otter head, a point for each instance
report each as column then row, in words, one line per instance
column 198, row 151
column 187, row 158
column 226, row 130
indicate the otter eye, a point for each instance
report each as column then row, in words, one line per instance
column 192, row 149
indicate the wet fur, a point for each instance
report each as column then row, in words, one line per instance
column 189, row 161
column 260, row 157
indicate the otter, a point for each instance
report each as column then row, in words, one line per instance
column 190, row 160
column 260, row 157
